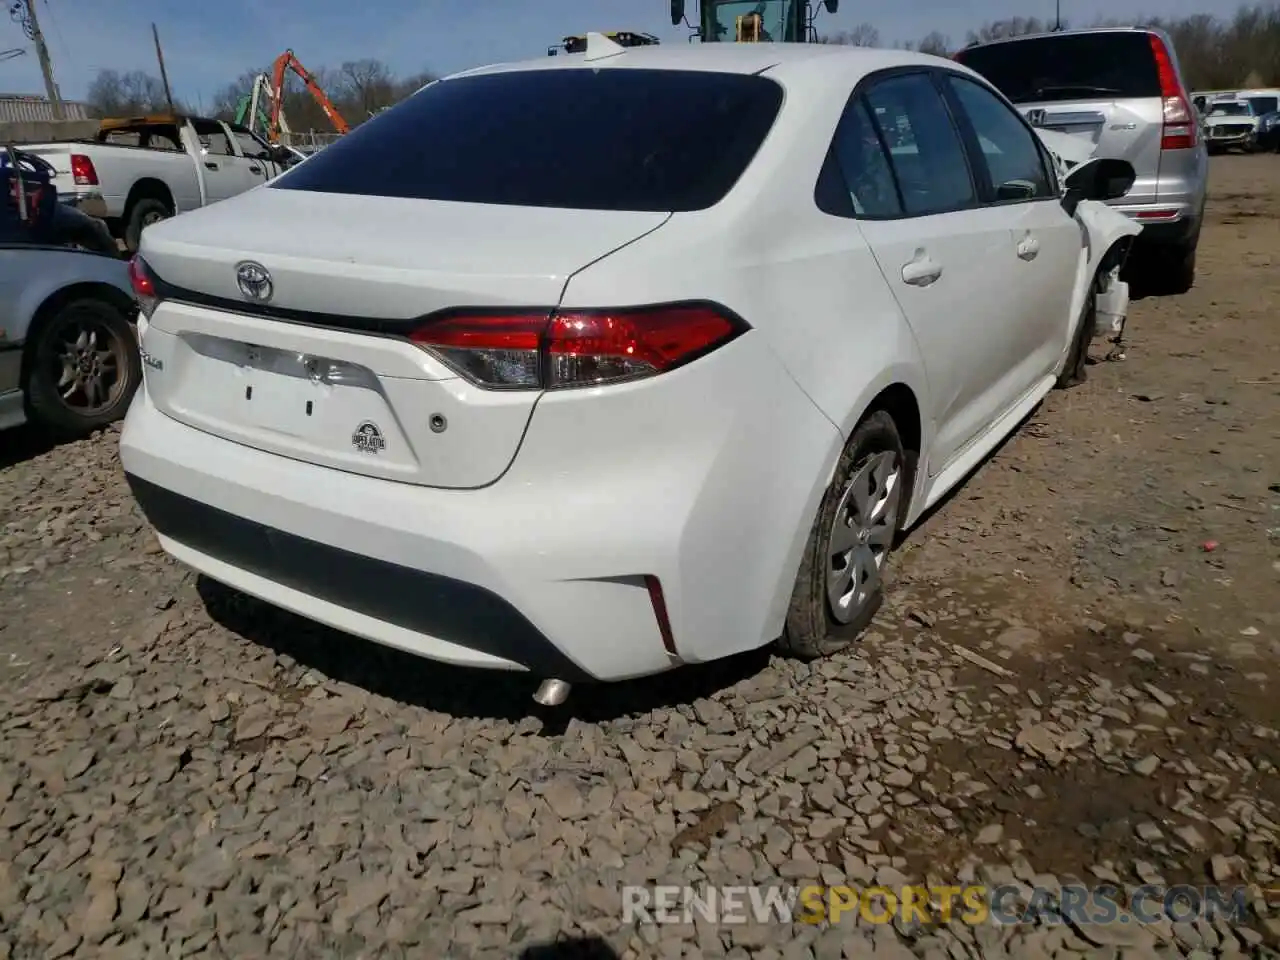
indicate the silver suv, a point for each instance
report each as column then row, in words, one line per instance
column 1121, row 89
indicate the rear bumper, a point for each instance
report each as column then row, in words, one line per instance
column 708, row 483
column 1164, row 224
column 349, row 589
column 91, row 203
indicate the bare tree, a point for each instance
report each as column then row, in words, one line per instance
column 936, row 43
column 367, row 86
column 412, row 84
column 1000, row 29
column 115, row 94
column 863, row 35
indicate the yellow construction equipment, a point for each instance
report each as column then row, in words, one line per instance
column 754, row 21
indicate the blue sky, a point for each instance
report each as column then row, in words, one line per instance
column 209, row 42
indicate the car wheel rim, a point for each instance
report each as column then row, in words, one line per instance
column 88, row 363
column 862, row 533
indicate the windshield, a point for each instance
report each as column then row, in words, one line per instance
column 1108, row 65
column 779, row 20
column 621, row 139
column 1229, row 110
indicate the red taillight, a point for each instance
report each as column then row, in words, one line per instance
column 83, row 171
column 1181, row 130
column 577, row 348
column 144, row 286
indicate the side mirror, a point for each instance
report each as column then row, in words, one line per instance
column 677, row 12
column 831, row 5
column 1101, row 178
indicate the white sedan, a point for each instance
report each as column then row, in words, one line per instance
column 597, row 365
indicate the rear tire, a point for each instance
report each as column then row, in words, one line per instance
column 840, row 584
column 143, row 213
column 82, row 368
column 1179, row 270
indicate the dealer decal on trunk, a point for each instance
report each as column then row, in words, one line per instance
column 368, row 438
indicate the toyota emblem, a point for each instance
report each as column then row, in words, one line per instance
column 254, row 281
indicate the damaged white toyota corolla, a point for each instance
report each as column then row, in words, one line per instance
column 602, row 364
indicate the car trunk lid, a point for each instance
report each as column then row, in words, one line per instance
column 323, row 371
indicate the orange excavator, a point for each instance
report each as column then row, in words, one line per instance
column 288, row 61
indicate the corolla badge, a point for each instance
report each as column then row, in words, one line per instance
column 254, row 281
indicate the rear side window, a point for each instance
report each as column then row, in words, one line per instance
column 1265, row 105
column 861, row 158
column 609, row 139
column 1069, row 66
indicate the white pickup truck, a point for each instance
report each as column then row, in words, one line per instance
column 141, row 170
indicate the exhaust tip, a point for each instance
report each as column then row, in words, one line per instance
column 552, row 693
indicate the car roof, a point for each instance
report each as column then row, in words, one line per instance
column 1079, row 32
column 779, row 59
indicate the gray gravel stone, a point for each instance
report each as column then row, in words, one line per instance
column 203, row 776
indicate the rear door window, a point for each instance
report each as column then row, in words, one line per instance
column 925, row 150
column 592, row 139
column 1083, row 66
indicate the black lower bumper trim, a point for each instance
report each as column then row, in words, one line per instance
column 452, row 610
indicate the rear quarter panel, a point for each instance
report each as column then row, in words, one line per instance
column 815, row 299
column 31, row 275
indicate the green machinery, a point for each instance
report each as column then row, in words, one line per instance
column 254, row 108
column 753, row 21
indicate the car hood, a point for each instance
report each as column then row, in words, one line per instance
column 1223, row 119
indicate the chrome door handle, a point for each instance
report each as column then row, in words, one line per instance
column 921, row 271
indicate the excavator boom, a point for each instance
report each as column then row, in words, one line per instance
column 287, row 61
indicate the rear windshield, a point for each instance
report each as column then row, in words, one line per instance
column 610, row 139
column 1084, row 66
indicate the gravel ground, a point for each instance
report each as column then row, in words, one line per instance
column 1074, row 679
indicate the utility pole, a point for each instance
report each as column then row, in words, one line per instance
column 24, row 12
column 164, row 74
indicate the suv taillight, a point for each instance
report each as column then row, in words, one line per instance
column 1181, row 129
column 575, row 348
column 144, row 286
column 83, row 171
